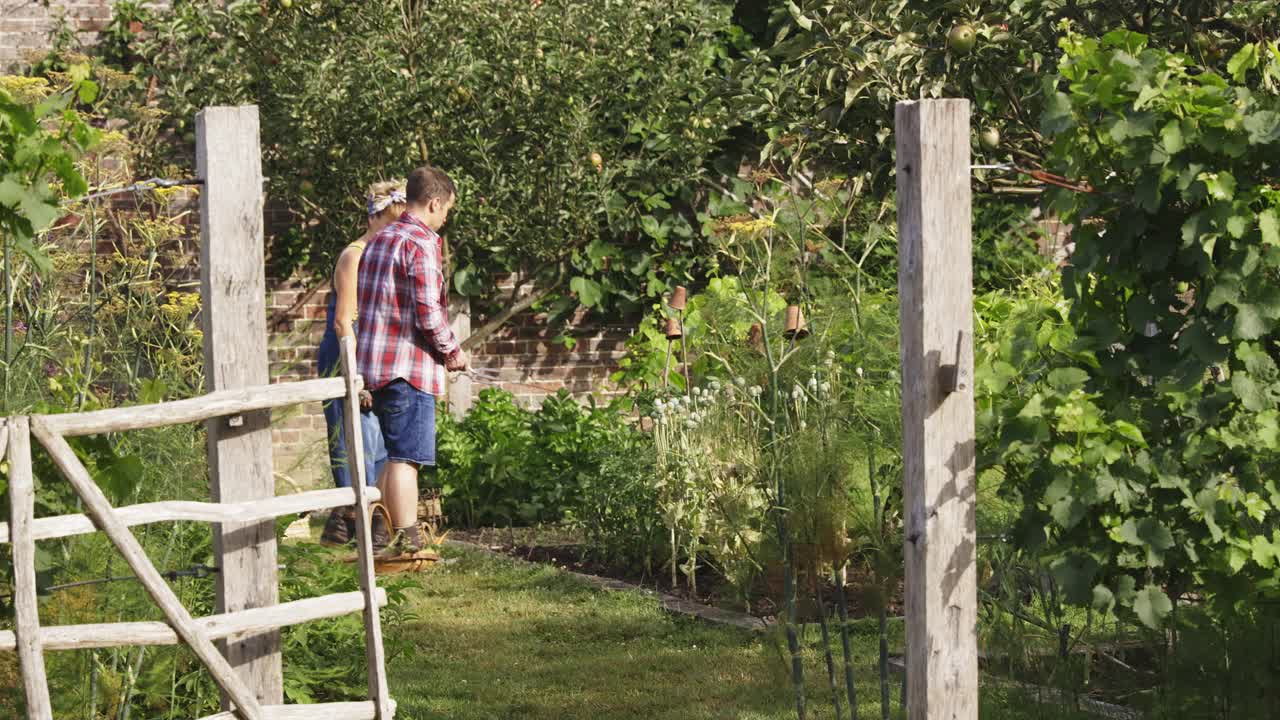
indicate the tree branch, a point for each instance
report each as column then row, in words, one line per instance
column 497, row 321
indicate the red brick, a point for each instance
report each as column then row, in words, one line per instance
column 284, row 298
column 287, row 437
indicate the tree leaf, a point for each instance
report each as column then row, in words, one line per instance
column 1103, row 599
column 798, row 15
column 1251, row 323
column 1265, row 552
column 1263, row 127
column 1171, row 137
column 1057, row 116
column 1245, row 59
column 1269, row 224
column 1150, row 534
column 1075, row 574
column 1129, row 431
column 1236, row 558
column 1068, row 379
column 588, row 291
column 1068, row 512
column 1152, row 606
column 1221, row 185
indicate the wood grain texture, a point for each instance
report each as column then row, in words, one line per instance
column 213, row 405
column 375, row 655
column 461, row 388
column 105, row 635
column 935, row 280
column 322, row 711
column 182, row 510
column 22, row 504
column 98, row 508
column 233, row 285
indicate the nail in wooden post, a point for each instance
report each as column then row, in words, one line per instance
column 233, row 284
column 22, row 503
column 935, row 281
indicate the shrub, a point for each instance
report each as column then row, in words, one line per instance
column 577, row 131
column 504, row 465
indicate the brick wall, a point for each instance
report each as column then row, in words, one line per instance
column 531, row 363
column 26, row 25
column 295, row 325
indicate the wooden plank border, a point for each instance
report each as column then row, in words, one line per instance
column 22, row 500
column 99, row 508
column 182, row 510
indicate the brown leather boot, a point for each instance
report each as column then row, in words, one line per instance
column 340, row 529
column 409, row 540
column 381, row 527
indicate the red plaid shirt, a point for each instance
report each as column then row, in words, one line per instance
column 402, row 330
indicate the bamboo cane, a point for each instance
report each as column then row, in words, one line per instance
column 883, row 613
column 789, row 590
column 666, row 367
column 826, row 649
column 684, row 354
column 843, row 604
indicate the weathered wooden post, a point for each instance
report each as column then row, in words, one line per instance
column 935, row 282
column 22, row 504
column 233, row 283
column 461, row 391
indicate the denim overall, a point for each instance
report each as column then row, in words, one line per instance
column 375, row 453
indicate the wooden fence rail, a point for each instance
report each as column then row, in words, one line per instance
column 246, row 664
column 29, row 640
column 330, row 711
column 105, row 635
column 222, row 403
column 183, row 510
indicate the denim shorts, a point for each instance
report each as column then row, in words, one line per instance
column 408, row 419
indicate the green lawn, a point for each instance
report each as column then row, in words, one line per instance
column 498, row 638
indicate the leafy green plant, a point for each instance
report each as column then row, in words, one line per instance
column 484, row 463
column 1144, row 435
column 824, row 76
column 505, row 465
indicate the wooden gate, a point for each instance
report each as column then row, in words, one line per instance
column 30, row 640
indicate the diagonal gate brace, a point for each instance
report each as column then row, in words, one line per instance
column 99, row 508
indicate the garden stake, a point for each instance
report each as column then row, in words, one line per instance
column 884, row 663
column 793, row 643
column 784, row 539
column 684, row 354
column 93, row 685
column 674, row 332
column 666, row 367
column 877, row 512
column 826, row 648
column 843, row 604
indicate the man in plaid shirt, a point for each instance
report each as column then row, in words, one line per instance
column 404, row 345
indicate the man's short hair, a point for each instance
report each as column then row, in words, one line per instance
column 429, row 183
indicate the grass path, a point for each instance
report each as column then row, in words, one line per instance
column 497, row 638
